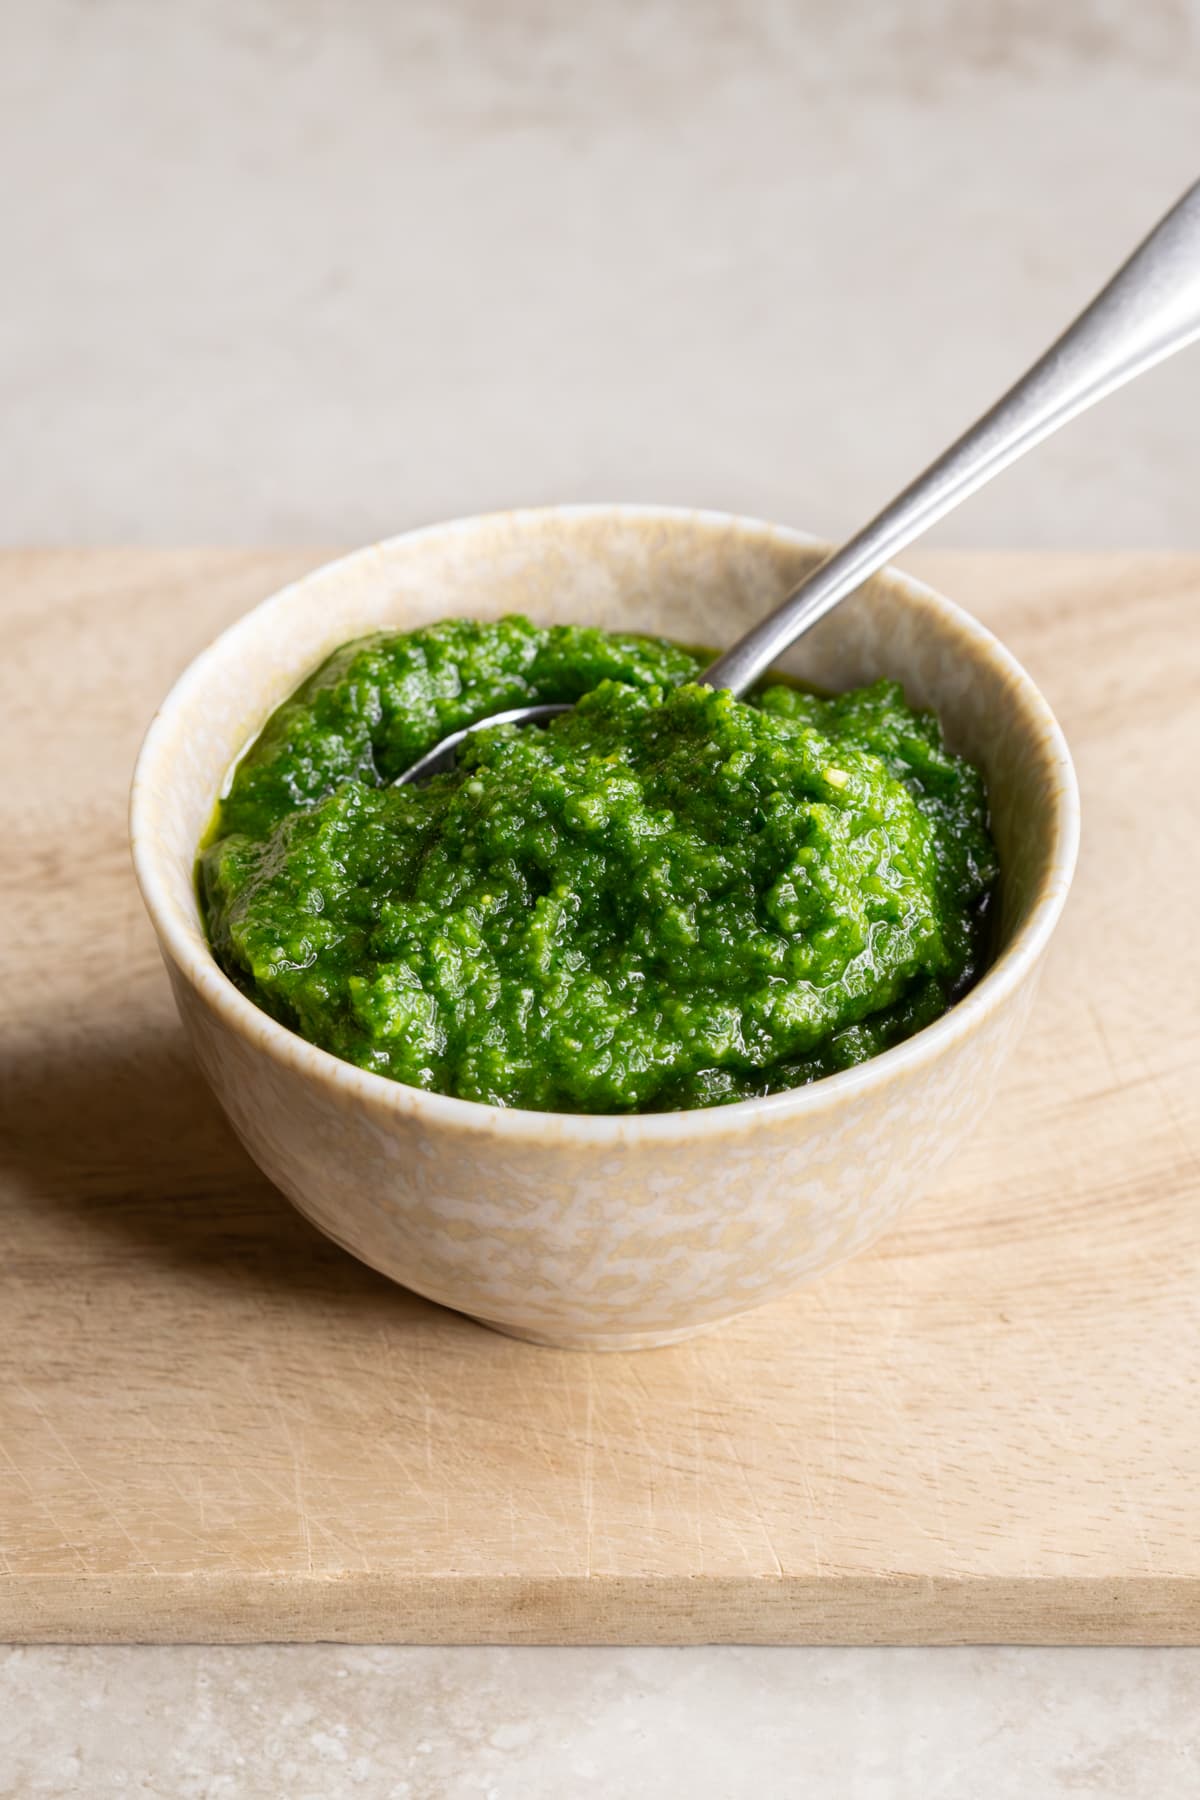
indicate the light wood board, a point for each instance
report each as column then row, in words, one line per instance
column 216, row 1426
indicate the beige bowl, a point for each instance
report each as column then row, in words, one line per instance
column 605, row 1232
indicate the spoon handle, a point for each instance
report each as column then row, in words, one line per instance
column 1150, row 309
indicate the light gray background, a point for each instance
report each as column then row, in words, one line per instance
column 279, row 270
column 316, row 270
column 329, row 1723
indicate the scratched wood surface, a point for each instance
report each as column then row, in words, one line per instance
column 216, row 1426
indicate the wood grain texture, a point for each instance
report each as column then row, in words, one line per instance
column 216, row 1426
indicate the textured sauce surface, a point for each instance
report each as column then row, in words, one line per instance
column 667, row 898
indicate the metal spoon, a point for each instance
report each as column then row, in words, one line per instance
column 1149, row 309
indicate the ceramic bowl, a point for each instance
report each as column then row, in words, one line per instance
column 606, row 1232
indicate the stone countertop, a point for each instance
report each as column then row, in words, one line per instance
column 289, row 273
column 325, row 1721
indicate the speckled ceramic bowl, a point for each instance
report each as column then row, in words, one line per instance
column 605, row 1233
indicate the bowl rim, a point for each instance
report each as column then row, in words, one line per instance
column 186, row 948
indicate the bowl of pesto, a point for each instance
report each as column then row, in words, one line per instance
column 631, row 1021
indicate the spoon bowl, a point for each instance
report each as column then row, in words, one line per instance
column 444, row 755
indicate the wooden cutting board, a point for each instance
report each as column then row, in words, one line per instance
column 216, row 1426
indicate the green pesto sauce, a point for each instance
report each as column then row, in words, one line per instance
column 667, row 898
